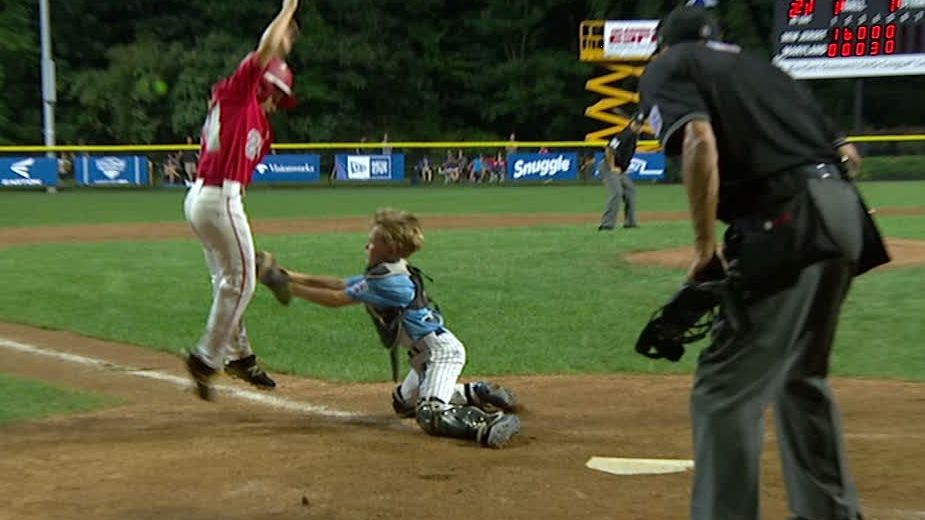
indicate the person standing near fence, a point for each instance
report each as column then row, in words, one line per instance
column 618, row 154
column 235, row 137
column 189, row 158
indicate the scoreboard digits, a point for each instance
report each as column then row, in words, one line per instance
column 850, row 38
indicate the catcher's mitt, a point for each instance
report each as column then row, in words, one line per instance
column 269, row 273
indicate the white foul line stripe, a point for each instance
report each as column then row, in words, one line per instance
column 182, row 382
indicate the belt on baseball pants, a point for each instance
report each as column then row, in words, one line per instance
column 228, row 186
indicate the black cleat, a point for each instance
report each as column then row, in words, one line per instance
column 202, row 375
column 247, row 369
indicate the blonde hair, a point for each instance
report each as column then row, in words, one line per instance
column 399, row 230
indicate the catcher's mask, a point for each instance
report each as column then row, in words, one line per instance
column 690, row 313
column 686, row 318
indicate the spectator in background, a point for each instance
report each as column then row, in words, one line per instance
column 386, row 148
column 498, row 168
column 463, row 162
column 425, row 171
column 586, row 171
column 450, row 169
column 476, row 168
column 171, row 167
column 512, row 147
column 543, row 150
column 361, row 150
column 189, row 158
column 66, row 165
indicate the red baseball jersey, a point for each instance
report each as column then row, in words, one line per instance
column 236, row 134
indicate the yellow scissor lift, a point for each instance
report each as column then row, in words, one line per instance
column 591, row 50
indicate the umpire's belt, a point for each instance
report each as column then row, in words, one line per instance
column 763, row 194
column 819, row 171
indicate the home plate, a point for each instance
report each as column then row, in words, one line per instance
column 639, row 466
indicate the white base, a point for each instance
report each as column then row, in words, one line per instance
column 618, row 466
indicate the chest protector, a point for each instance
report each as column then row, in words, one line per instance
column 388, row 320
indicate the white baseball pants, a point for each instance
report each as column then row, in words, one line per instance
column 436, row 363
column 216, row 214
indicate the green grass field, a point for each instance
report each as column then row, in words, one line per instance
column 25, row 399
column 540, row 300
column 87, row 206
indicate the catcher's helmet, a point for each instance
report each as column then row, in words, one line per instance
column 687, row 24
column 277, row 76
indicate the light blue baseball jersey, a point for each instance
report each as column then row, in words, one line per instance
column 395, row 291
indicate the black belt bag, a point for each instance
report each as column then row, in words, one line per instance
column 768, row 248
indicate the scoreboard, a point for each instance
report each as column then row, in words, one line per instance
column 849, row 38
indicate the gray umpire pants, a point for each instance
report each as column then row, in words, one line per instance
column 629, row 200
column 783, row 359
column 614, row 197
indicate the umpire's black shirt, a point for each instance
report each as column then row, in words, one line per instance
column 764, row 121
column 624, row 147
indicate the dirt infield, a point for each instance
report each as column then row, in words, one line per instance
column 903, row 253
column 334, row 451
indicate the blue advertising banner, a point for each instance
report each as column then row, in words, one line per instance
column 129, row 170
column 28, row 171
column 645, row 166
column 369, row 168
column 542, row 166
column 288, row 168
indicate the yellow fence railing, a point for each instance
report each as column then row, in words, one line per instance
column 398, row 145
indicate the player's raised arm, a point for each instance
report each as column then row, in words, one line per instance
column 277, row 39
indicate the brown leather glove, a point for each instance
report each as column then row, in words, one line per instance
column 276, row 279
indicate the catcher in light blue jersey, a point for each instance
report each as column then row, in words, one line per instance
column 394, row 295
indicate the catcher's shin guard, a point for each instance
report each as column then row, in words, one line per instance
column 401, row 406
column 493, row 430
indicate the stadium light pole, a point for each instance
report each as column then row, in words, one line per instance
column 49, row 91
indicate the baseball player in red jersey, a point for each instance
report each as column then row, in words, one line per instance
column 235, row 137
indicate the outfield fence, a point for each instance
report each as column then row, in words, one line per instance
column 354, row 163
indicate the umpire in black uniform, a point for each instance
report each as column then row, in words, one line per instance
column 618, row 155
column 757, row 153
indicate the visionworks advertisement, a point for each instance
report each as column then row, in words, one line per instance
column 288, row 168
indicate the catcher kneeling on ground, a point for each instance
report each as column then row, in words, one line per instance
column 394, row 295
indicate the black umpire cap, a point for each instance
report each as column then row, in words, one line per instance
column 687, row 24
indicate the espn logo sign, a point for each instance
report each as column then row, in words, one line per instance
column 630, row 39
